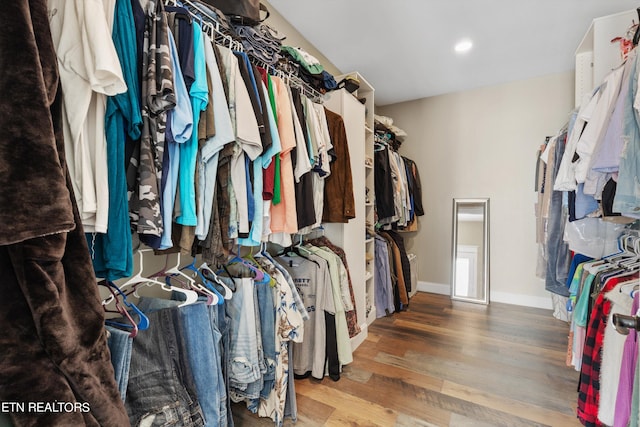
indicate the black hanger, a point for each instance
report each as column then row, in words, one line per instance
column 296, row 250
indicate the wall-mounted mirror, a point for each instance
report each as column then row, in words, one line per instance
column 470, row 251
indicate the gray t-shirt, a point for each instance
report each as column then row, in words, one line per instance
column 313, row 283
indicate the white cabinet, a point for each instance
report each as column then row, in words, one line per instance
column 358, row 120
column 596, row 55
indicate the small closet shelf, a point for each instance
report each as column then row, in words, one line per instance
column 368, row 276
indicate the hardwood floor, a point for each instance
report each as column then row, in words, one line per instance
column 444, row 363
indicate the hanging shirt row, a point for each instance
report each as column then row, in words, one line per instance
column 398, row 190
column 275, row 316
column 185, row 143
column 599, row 160
column 605, row 356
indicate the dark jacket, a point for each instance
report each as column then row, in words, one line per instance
column 339, row 205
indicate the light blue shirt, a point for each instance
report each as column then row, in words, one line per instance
column 262, row 162
column 181, row 129
column 199, row 94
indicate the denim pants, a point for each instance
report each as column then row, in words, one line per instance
column 220, row 322
column 120, row 345
column 557, row 250
column 204, row 359
column 266, row 314
column 161, row 389
column 244, row 364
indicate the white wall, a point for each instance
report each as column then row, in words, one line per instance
column 294, row 38
column 482, row 143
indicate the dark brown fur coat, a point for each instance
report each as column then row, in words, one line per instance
column 52, row 341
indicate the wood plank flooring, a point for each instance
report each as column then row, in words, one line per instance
column 444, row 363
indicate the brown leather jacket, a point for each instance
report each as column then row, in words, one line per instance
column 339, row 205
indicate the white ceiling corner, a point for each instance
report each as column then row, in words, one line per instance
column 405, row 48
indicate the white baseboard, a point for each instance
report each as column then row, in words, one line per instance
column 504, row 297
column 519, row 299
column 434, row 288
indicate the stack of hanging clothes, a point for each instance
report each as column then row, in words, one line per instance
column 393, row 273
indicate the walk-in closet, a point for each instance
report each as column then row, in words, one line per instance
column 250, row 213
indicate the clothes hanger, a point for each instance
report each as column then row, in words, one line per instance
column 197, row 273
column 211, row 298
column 190, row 295
column 259, row 274
column 295, row 249
column 267, row 277
column 175, row 271
column 143, row 322
column 624, row 252
column 210, row 275
column 629, row 288
column 137, row 278
column 119, row 309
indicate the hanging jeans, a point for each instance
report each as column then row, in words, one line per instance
column 204, row 359
column 220, row 323
column 161, row 389
column 557, row 250
column 244, row 363
column 120, row 345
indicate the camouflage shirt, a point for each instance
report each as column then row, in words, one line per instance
column 157, row 98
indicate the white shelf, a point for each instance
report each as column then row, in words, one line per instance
column 350, row 236
column 369, row 240
column 368, row 166
column 368, row 276
column 368, row 205
column 368, row 129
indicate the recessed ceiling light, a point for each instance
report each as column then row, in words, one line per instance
column 463, row 46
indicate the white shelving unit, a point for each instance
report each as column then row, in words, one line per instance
column 358, row 120
column 596, row 55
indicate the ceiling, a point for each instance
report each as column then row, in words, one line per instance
column 404, row 48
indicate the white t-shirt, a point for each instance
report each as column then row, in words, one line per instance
column 303, row 164
column 597, row 126
column 566, row 176
column 89, row 72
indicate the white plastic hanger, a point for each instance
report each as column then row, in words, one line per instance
column 139, row 279
column 175, row 270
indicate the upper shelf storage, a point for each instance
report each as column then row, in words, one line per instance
column 597, row 55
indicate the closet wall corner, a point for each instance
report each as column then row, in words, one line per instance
column 357, row 111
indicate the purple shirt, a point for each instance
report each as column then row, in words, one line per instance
column 627, row 374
